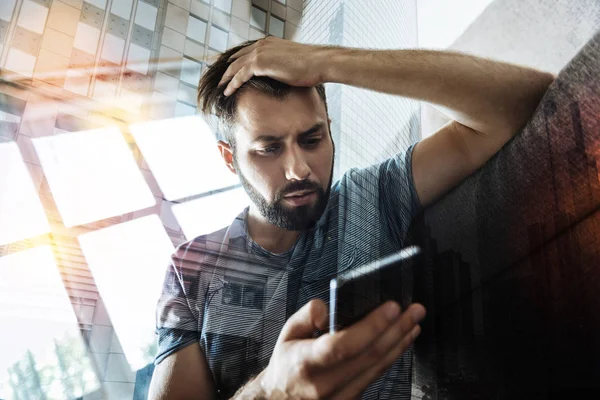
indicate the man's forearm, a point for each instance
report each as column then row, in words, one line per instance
column 253, row 390
column 250, row 391
column 488, row 96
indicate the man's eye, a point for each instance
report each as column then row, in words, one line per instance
column 268, row 150
column 312, row 142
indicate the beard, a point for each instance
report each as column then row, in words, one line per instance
column 291, row 218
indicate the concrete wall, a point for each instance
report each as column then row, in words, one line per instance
column 544, row 34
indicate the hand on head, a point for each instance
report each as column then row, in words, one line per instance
column 293, row 63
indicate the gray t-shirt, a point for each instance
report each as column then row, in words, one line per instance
column 233, row 297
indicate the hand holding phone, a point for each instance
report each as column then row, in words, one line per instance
column 336, row 367
column 357, row 292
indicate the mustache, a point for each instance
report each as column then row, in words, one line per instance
column 298, row 186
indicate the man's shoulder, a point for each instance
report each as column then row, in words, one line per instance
column 368, row 179
column 194, row 253
column 359, row 184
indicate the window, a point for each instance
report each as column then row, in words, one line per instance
column 190, row 71
column 218, row 39
column 276, row 26
column 196, row 29
column 223, row 5
column 258, row 18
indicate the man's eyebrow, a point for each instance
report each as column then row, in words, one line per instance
column 270, row 138
column 316, row 127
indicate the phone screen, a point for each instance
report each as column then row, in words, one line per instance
column 355, row 293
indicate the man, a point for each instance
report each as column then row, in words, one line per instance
column 242, row 308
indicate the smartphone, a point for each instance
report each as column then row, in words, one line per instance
column 355, row 293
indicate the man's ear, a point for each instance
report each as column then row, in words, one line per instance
column 227, row 154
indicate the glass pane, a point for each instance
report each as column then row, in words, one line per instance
column 218, row 38
column 43, row 353
column 224, row 5
column 276, row 27
column 196, row 29
column 92, row 175
column 197, row 217
column 128, row 263
column 190, row 71
column 258, row 18
column 21, row 212
column 176, row 149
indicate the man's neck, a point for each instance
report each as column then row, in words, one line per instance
column 269, row 236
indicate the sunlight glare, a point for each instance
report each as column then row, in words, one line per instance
column 21, row 213
column 92, row 175
column 183, row 156
column 198, row 217
column 128, row 262
column 36, row 314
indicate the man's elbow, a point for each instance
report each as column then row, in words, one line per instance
column 520, row 113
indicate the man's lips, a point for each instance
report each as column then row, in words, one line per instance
column 299, row 194
column 304, row 199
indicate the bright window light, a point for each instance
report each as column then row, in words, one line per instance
column 128, row 262
column 198, row 217
column 440, row 23
column 92, row 175
column 38, row 323
column 21, row 212
column 183, row 156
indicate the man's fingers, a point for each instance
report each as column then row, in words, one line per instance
column 349, row 342
column 381, row 347
column 389, row 340
column 387, row 344
column 305, row 321
column 245, row 50
column 239, row 79
column 354, row 357
column 358, row 384
column 233, row 69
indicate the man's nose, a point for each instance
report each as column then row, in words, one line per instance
column 296, row 166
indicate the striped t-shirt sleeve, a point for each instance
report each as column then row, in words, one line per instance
column 398, row 199
column 176, row 324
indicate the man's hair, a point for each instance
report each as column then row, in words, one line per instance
column 211, row 99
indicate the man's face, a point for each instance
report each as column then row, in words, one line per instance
column 285, row 148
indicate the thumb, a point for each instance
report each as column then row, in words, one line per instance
column 305, row 321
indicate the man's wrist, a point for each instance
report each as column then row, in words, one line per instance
column 329, row 60
column 254, row 390
column 337, row 64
